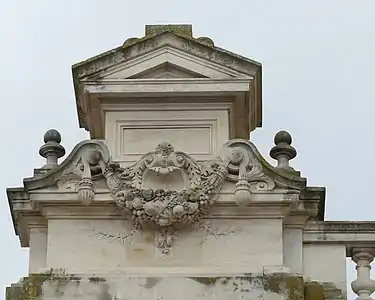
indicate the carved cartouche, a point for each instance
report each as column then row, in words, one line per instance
column 165, row 207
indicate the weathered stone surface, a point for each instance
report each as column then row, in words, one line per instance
column 165, row 52
column 79, row 200
column 167, row 224
column 278, row 286
column 322, row 291
column 63, row 287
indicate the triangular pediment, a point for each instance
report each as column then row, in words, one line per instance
column 165, row 52
column 167, row 62
column 167, row 70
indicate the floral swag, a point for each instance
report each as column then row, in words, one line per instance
column 162, row 207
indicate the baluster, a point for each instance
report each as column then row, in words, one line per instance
column 363, row 286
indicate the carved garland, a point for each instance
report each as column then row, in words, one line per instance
column 161, row 207
column 166, row 208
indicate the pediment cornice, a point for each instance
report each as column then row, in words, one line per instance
column 194, row 56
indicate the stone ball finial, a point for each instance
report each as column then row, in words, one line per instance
column 51, row 150
column 52, row 135
column 283, row 151
column 283, row 137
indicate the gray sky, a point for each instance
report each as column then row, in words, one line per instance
column 318, row 59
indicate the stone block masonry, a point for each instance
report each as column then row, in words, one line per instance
column 277, row 286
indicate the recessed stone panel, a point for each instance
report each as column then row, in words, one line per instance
column 131, row 133
column 142, row 138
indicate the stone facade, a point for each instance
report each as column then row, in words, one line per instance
column 249, row 286
column 170, row 199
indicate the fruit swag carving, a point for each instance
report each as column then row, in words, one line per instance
column 166, row 207
column 166, row 188
column 189, row 187
column 198, row 186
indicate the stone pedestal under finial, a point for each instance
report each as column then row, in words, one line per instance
column 51, row 150
column 283, row 152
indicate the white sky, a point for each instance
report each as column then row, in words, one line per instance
column 318, row 58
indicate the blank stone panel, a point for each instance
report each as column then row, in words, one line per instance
column 132, row 133
column 134, row 138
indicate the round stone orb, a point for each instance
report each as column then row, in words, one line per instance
column 283, row 137
column 52, row 135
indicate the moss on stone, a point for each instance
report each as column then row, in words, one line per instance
column 280, row 283
column 206, row 280
column 181, row 29
column 31, row 287
column 152, row 281
column 290, row 286
column 96, row 279
column 130, row 41
column 314, row 291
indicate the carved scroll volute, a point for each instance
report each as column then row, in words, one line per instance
column 246, row 171
column 86, row 187
column 239, row 159
column 96, row 155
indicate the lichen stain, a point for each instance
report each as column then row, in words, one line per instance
column 152, row 281
column 138, row 249
column 284, row 284
column 291, row 287
column 96, row 279
column 206, row 280
column 281, row 284
column 149, row 239
column 314, row 291
column 31, row 288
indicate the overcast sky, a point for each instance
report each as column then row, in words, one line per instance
column 318, row 63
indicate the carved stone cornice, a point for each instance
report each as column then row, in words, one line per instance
column 352, row 234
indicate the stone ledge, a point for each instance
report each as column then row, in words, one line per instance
column 48, row 286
